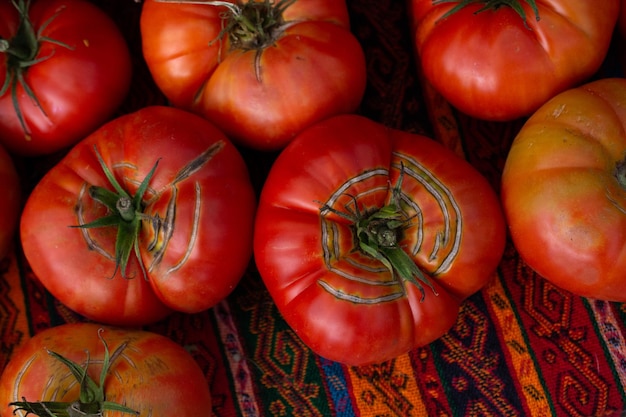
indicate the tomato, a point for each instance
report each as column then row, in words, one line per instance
column 65, row 68
column 183, row 203
column 368, row 238
column 11, row 201
column 145, row 372
column 260, row 86
column 500, row 60
column 564, row 190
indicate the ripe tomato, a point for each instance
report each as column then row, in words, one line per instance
column 64, row 69
column 500, row 60
column 11, row 201
column 193, row 214
column 564, row 190
column 261, row 86
column 369, row 238
column 147, row 373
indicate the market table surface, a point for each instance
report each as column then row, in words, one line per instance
column 520, row 347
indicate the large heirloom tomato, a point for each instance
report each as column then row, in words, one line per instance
column 564, row 190
column 129, row 373
column 369, row 238
column 262, row 71
column 500, row 60
column 160, row 185
column 11, row 201
column 64, row 69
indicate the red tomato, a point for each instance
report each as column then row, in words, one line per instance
column 11, row 201
column 148, row 373
column 564, row 190
column 492, row 63
column 262, row 88
column 68, row 68
column 194, row 219
column 347, row 198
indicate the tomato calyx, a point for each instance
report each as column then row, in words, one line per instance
column 253, row 25
column 91, row 401
column 125, row 213
column 250, row 25
column 491, row 5
column 378, row 234
column 21, row 51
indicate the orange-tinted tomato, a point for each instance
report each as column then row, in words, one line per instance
column 151, row 374
column 261, row 89
column 564, row 190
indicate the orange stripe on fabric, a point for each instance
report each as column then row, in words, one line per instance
column 387, row 389
column 514, row 344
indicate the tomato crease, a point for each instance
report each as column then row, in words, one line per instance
column 196, row 164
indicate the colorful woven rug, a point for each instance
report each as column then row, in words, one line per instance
column 520, row 347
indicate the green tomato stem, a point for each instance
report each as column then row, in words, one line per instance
column 92, row 398
column 379, row 235
column 21, row 53
column 125, row 214
column 492, row 5
column 24, row 45
column 125, row 208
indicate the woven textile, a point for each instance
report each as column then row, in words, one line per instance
column 520, row 347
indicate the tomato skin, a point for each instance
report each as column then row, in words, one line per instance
column 211, row 240
column 563, row 203
column 154, row 375
column 313, row 70
column 301, row 253
column 490, row 66
column 11, row 201
column 97, row 64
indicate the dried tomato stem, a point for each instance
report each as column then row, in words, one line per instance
column 248, row 24
column 254, row 24
column 620, row 173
